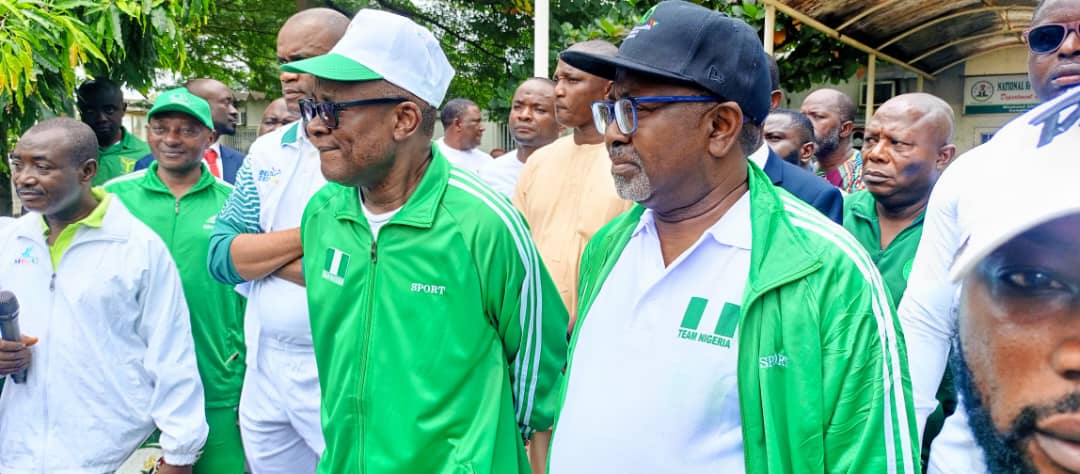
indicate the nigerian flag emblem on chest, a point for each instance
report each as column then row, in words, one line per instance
column 337, row 262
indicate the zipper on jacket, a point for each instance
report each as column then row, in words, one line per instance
column 367, row 347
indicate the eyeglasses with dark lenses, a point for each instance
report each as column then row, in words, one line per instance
column 1045, row 39
column 328, row 111
column 624, row 111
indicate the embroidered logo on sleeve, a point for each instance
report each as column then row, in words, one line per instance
column 337, row 263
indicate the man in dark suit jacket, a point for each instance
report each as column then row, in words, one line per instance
column 229, row 158
column 803, row 184
column 806, row 186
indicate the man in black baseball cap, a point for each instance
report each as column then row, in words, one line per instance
column 724, row 325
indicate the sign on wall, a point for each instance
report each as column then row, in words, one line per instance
column 1007, row 94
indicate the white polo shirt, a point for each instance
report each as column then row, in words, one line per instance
column 473, row 159
column 652, row 384
column 502, row 173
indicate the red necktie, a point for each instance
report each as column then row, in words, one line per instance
column 211, row 159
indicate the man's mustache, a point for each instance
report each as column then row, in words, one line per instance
column 1025, row 424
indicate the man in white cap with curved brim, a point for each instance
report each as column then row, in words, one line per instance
column 438, row 334
column 1018, row 353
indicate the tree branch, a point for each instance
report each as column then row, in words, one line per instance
column 450, row 31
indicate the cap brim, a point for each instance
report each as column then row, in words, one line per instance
column 332, row 66
column 974, row 251
column 179, row 108
column 605, row 66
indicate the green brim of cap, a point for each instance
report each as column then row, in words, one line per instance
column 332, row 66
column 205, row 120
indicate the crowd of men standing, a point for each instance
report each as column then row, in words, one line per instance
column 669, row 273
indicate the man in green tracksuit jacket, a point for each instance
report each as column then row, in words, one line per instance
column 179, row 199
column 439, row 335
column 724, row 325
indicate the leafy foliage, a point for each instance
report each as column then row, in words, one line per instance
column 490, row 41
column 238, row 44
column 42, row 42
column 805, row 55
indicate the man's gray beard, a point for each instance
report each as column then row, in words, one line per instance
column 637, row 188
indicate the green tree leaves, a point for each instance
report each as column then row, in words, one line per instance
column 43, row 43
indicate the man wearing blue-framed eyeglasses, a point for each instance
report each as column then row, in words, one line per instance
column 724, row 324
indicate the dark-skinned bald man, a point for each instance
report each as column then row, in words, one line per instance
column 256, row 244
column 908, row 145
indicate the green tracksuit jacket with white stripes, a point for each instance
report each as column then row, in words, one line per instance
column 440, row 344
column 822, row 372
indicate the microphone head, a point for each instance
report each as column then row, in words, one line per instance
column 9, row 305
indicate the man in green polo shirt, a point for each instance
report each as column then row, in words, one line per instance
column 907, row 146
column 179, row 199
column 101, row 106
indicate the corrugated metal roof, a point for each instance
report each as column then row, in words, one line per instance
column 930, row 35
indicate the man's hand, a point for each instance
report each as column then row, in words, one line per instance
column 170, row 469
column 15, row 356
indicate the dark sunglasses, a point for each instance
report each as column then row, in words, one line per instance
column 1045, row 39
column 328, row 111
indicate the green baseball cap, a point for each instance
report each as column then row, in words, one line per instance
column 181, row 100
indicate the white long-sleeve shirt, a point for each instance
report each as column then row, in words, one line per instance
column 928, row 311
column 115, row 359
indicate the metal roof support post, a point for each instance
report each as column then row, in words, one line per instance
column 817, row 25
column 919, row 86
column 768, row 36
column 540, row 38
column 871, row 75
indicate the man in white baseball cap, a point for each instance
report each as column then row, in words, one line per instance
column 1002, row 167
column 438, row 334
column 1018, row 357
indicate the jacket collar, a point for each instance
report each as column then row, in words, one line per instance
column 772, row 235
column 779, row 253
column 419, row 210
column 152, row 182
column 291, row 137
column 863, row 206
column 127, row 143
column 115, row 224
column 774, row 168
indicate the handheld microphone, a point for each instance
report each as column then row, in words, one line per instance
column 9, row 326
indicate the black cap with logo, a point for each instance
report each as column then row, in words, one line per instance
column 691, row 44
